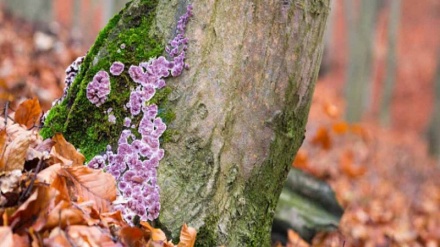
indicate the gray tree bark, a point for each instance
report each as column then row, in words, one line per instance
column 361, row 22
column 38, row 10
column 434, row 127
column 238, row 114
column 390, row 76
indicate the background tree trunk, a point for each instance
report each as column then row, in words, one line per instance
column 235, row 119
column 361, row 22
column 38, row 10
column 390, row 76
column 434, row 127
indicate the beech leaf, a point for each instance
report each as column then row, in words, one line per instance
column 90, row 184
column 157, row 235
column 187, row 236
column 16, row 151
column 3, row 137
column 28, row 113
column 67, row 150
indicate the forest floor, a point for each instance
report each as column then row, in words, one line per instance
column 388, row 185
column 384, row 179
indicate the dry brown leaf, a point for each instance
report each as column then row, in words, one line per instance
column 34, row 209
column 157, row 235
column 301, row 160
column 57, row 238
column 90, row 184
column 322, row 138
column 55, row 158
column 14, row 130
column 89, row 236
column 341, row 128
column 3, row 137
column 187, row 236
column 67, row 150
column 49, row 174
column 347, row 166
column 295, row 240
column 15, row 153
column 132, row 236
column 112, row 218
column 64, row 215
column 28, row 113
column 6, row 237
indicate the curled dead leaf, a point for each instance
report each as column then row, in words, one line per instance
column 90, row 184
column 28, row 113
column 89, row 236
column 132, row 236
column 67, row 150
column 157, row 235
column 187, row 236
column 15, row 153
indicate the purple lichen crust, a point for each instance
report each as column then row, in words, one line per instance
column 135, row 161
column 99, row 88
column 117, row 68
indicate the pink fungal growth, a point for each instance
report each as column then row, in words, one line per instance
column 117, row 68
column 135, row 161
column 99, row 88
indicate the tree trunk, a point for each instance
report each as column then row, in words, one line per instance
column 390, row 77
column 434, row 128
column 39, row 10
column 235, row 119
column 361, row 27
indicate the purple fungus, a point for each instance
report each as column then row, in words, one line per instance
column 117, row 68
column 99, row 88
column 135, row 161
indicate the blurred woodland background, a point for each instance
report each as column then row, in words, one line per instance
column 374, row 128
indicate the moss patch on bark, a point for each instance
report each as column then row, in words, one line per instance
column 127, row 38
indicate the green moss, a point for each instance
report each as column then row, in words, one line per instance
column 207, row 234
column 85, row 125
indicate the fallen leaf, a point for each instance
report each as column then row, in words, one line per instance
column 90, row 184
column 67, row 150
column 301, row 160
column 15, row 153
column 157, row 235
column 322, row 138
column 64, row 215
column 187, row 236
column 346, row 164
column 49, row 174
column 89, row 236
column 28, row 113
column 57, row 238
column 113, row 218
column 294, row 240
column 331, row 110
column 3, row 137
column 132, row 236
column 6, row 237
column 341, row 128
column 33, row 209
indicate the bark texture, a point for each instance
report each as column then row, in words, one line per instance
column 235, row 119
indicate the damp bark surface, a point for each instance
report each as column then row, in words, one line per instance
column 235, row 119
